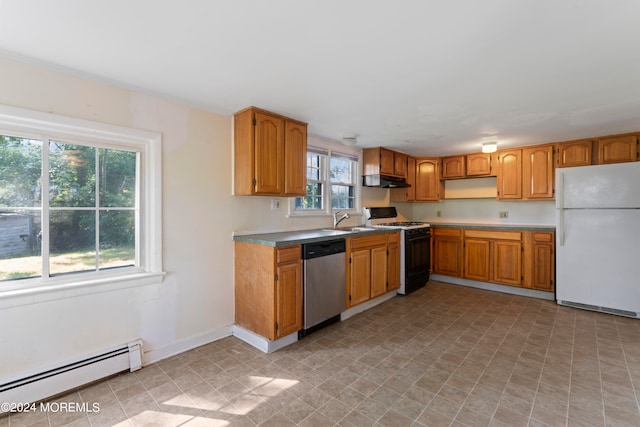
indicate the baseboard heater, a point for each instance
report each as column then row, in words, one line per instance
column 40, row 385
column 606, row 310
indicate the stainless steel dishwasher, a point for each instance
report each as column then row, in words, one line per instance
column 325, row 283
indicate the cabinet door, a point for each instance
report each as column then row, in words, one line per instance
column 618, row 149
column 288, row 299
column 269, row 154
column 406, row 194
column 378, row 271
column 393, row 266
column 387, row 162
column 428, row 184
column 543, row 266
column 359, row 277
column 479, row 164
column 574, row 153
column 507, row 262
column 540, row 260
column 295, row 159
column 447, row 256
column 476, row 259
column 538, row 172
column 453, row 167
column 510, row 174
column 400, row 165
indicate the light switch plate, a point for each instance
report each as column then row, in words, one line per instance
column 275, row 204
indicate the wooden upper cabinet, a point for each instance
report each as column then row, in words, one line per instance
column 295, row 159
column 269, row 154
column 574, row 153
column 538, row 172
column 509, row 174
column 400, row 164
column 453, row 167
column 618, row 149
column 428, row 185
column 480, row 164
column 406, row 194
column 387, row 162
column 382, row 161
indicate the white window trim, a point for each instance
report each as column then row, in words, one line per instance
column 331, row 146
column 20, row 122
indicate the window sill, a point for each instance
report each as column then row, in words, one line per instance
column 54, row 290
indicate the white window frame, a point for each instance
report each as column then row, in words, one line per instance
column 329, row 146
column 44, row 126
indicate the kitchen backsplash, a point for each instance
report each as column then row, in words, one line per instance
column 487, row 211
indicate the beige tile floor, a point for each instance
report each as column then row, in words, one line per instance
column 444, row 356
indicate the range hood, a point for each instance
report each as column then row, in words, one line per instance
column 384, row 181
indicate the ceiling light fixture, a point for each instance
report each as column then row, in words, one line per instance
column 350, row 140
column 489, row 147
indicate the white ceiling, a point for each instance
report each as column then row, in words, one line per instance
column 422, row 76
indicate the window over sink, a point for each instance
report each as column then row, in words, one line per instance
column 332, row 181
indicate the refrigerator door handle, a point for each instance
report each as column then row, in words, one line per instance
column 560, row 206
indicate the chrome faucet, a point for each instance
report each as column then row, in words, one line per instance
column 337, row 221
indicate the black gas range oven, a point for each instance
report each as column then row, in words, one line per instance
column 415, row 246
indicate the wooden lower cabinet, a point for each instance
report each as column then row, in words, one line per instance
column 477, row 259
column 507, row 262
column 268, row 289
column 373, row 266
column 539, row 260
column 393, row 261
column 493, row 256
column 506, row 257
column 446, row 251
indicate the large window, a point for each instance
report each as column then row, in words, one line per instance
column 331, row 182
column 77, row 200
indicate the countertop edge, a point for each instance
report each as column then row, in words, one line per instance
column 290, row 238
column 523, row 227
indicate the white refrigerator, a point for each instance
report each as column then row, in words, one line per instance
column 598, row 238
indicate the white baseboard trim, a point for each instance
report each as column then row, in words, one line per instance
column 261, row 343
column 366, row 305
column 533, row 293
column 158, row 354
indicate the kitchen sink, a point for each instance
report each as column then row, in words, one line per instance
column 351, row 229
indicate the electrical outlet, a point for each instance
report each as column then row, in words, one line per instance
column 438, row 214
column 275, row 204
column 503, row 214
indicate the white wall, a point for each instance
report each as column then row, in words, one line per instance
column 485, row 211
column 195, row 301
column 194, row 304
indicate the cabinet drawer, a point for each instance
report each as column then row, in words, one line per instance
column 288, row 254
column 539, row 236
column 451, row 232
column 493, row 234
column 368, row 241
column 393, row 238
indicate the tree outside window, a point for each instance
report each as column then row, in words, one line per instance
column 85, row 221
